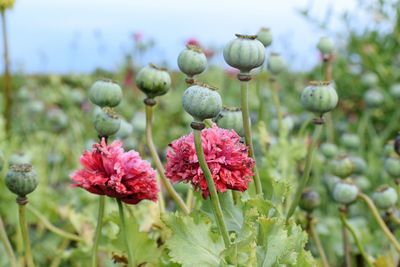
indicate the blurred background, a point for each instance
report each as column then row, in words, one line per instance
column 67, row 36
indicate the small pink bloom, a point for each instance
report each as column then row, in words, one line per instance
column 192, row 41
column 108, row 170
column 138, row 36
column 226, row 157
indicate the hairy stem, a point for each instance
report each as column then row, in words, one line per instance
column 346, row 223
column 7, row 245
column 131, row 259
column 381, row 223
column 153, row 151
column 25, row 235
column 244, row 88
column 211, row 188
column 307, row 170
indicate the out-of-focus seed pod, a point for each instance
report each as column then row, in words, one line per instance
column 105, row 93
column 107, row 122
column 385, row 197
column 202, row 102
column 264, row 35
column 325, row 45
column 395, row 91
column 309, row 200
column 342, row 167
column 345, row 192
column 369, row 79
column 19, row 158
column 231, row 118
column 373, row 98
column 360, row 166
column 276, row 64
column 392, row 166
column 153, row 81
column 350, row 141
column 328, row 150
column 362, row 182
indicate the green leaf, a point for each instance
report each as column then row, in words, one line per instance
column 232, row 214
column 191, row 242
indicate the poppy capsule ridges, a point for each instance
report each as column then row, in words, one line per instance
column 192, row 60
column 21, row 179
column 244, row 53
column 153, row 81
column 342, row 167
column 345, row 192
column 319, row 97
column 105, row 93
column 107, row 122
column 202, row 102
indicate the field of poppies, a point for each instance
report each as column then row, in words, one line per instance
column 246, row 165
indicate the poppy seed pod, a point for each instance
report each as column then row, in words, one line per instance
column 345, row 192
column 107, row 122
column 392, row 167
column 369, row 79
column 5, row 4
column 319, row 97
column 325, row 45
column 231, row 118
column 385, row 197
column 105, row 93
column 328, row 150
column 202, row 102
column 395, row 91
column 373, row 98
column 275, row 63
column 396, row 144
column 342, row 167
column 153, row 81
column 21, row 179
column 360, row 166
column 244, row 53
column 19, row 158
column 350, row 141
column 192, row 60
column 309, row 200
column 264, row 35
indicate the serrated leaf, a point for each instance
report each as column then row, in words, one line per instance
column 191, row 242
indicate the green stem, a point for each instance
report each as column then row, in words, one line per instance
column 362, row 129
column 260, row 95
column 381, row 223
column 346, row 247
column 211, row 188
column 53, row 228
column 307, row 170
column 244, row 88
column 277, row 104
column 131, row 259
column 356, row 240
column 189, row 199
column 97, row 234
column 7, row 245
column 25, row 235
column 57, row 259
column 314, row 236
column 153, row 151
column 7, row 76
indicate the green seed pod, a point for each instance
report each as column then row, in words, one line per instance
column 153, row 81
column 287, row 124
column 19, row 158
column 328, row 150
column 392, row 167
column 325, row 45
column 395, row 91
column 345, row 192
column 125, row 130
column 107, row 122
column 385, row 197
column 275, row 63
column 105, row 93
column 342, row 167
column 5, row 4
column 202, row 102
column 373, row 98
column 369, row 79
column 21, row 179
column 330, row 181
column 231, row 118
column 244, row 53
column 350, row 141
column 309, row 200
column 192, row 60
column 57, row 119
column 360, row 166
column 396, row 144
column 319, row 97
column 264, row 35
column 362, row 182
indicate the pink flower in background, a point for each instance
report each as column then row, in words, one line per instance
column 192, row 41
column 108, row 170
column 226, row 157
column 138, row 37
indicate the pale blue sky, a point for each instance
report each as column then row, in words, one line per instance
column 68, row 35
